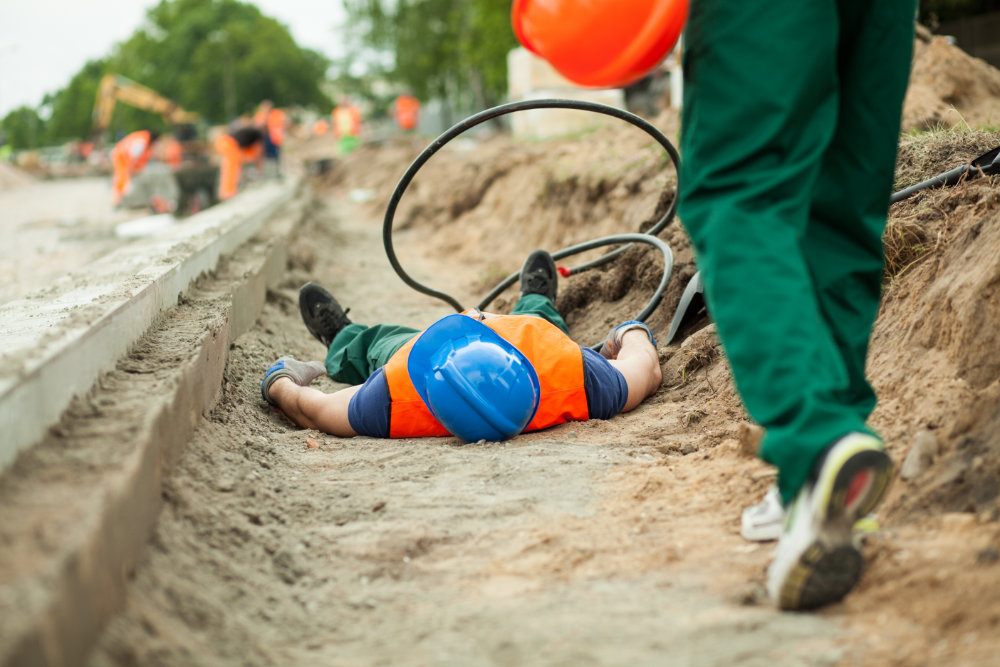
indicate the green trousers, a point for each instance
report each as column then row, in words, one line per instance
column 359, row 350
column 789, row 131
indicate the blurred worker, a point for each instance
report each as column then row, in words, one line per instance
column 790, row 125
column 245, row 144
column 406, row 111
column 346, row 126
column 320, row 128
column 272, row 122
column 476, row 375
column 173, row 152
column 129, row 157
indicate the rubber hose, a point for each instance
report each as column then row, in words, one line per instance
column 512, row 107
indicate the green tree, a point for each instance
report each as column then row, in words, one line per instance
column 72, row 107
column 218, row 58
column 23, row 128
column 438, row 48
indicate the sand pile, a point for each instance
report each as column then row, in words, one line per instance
column 950, row 88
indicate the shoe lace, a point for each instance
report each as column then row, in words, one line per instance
column 332, row 319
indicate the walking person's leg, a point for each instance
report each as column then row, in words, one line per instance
column 747, row 183
column 750, row 163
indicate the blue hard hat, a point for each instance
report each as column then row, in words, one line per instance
column 478, row 385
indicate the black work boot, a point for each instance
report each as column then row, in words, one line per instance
column 539, row 275
column 322, row 313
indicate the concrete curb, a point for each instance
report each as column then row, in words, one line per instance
column 56, row 343
column 56, row 609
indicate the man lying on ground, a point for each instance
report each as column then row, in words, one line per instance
column 477, row 375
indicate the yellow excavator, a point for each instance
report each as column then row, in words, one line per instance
column 117, row 88
column 196, row 177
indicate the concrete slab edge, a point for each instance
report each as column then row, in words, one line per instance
column 35, row 391
column 90, row 578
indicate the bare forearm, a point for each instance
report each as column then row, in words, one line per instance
column 639, row 363
column 311, row 408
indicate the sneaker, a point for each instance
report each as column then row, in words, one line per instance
column 763, row 522
column 816, row 561
column 322, row 313
column 539, row 275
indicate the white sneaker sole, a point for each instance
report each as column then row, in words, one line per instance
column 816, row 562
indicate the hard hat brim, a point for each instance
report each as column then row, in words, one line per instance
column 441, row 336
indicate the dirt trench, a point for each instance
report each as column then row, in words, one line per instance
column 284, row 546
column 594, row 543
column 599, row 543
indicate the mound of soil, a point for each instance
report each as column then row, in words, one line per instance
column 949, row 88
column 279, row 545
column 934, row 357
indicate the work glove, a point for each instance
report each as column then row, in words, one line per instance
column 301, row 373
column 613, row 343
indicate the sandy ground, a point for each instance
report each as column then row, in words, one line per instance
column 604, row 543
column 53, row 227
column 556, row 548
column 596, row 543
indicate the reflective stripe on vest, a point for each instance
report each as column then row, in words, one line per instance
column 557, row 360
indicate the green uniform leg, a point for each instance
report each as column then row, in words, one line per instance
column 359, row 350
column 540, row 305
column 791, row 117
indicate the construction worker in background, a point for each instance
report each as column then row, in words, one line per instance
column 790, row 123
column 272, row 122
column 245, row 144
column 346, row 126
column 320, row 128
column 128, row 158
column 475, row 375
column 406, row 111
column 173, row 152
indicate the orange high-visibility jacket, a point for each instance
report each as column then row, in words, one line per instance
column 174, row 153
column 557, row 360
column 128, row 157
column 273, row 121
column 407, row 110
column 346, row 121
column 276, row 126
column 134, row 150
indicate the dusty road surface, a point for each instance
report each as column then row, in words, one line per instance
column 53, row 227
column 611, row 543
column 283, row 546
column 598, row 543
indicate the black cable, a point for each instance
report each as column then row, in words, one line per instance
column 504, row 109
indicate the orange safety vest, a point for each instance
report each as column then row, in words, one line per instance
column 276, row 126
column 130, row 145
column 407, row 108
column 174, row 154
column 346, row 121
column 273, row 121
column 557, row 360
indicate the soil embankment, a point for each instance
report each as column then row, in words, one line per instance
column 595, row 543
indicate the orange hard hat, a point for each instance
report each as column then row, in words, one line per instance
column 600, row 43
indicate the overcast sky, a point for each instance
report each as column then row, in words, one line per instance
column 43, row 43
